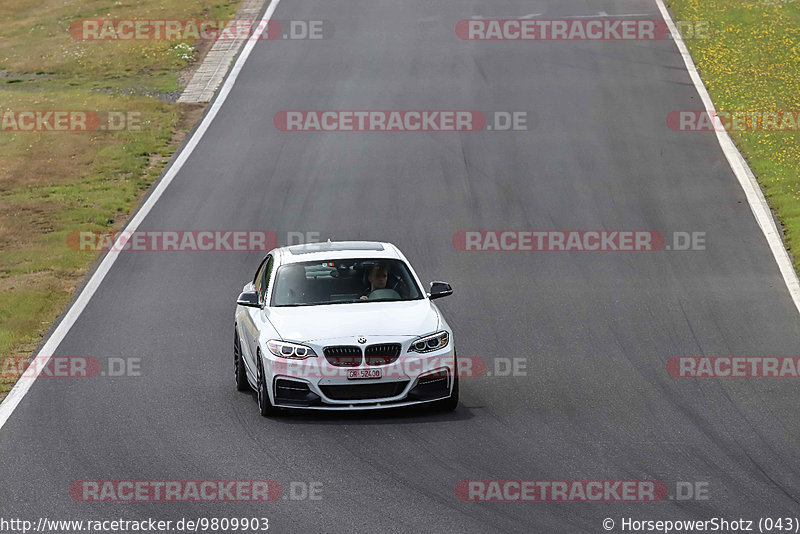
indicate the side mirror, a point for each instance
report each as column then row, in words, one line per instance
column 439, row 290
column 248, row 299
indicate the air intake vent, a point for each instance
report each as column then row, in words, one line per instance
column 364, row 391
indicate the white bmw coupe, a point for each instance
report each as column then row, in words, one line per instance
column 343, row 326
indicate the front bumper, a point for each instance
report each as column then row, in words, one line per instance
column 316, row 384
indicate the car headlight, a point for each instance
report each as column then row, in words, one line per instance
column 436, row 341
column 293, row 351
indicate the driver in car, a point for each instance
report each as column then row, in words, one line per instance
column 377, row 277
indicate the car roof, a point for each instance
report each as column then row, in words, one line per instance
column 338, row 250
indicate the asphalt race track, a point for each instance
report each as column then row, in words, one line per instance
column 595, row 329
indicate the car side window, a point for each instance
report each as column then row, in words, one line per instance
column 263, row 284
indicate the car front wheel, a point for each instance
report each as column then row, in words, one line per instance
column 264, row 405
column 450, row 403
column 238, row 363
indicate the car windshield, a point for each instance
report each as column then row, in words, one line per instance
column 343, row 281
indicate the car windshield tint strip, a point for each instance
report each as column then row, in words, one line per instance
column 310, row 248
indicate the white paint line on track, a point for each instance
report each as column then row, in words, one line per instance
column 747, row 180
column 24, row 383
column 758, row 204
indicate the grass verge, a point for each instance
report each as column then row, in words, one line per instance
column 52, row 183
column 750, row 61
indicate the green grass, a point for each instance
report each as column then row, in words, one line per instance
column 751, row 62
column 54, row 183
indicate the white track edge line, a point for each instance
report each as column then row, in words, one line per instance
column 747, row 180
column 24, row 383
column 745, row 176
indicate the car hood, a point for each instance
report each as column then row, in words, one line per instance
column 310, row 323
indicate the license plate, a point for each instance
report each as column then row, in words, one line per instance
column 364, row 373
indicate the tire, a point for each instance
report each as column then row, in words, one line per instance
column 240, row 372
column 264, row 405
column 450, row 403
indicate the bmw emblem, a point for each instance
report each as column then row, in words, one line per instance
column 362, row 340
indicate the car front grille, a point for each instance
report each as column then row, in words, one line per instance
column 364, row 391
column 343, row 355
column 382, row 354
